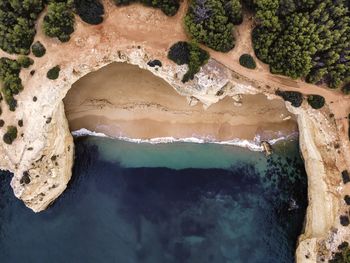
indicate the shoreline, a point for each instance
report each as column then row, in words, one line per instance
column 253, row 145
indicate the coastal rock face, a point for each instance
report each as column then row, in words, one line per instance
column 41, row 158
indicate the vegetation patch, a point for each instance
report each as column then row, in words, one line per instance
column 12, row 84
column 90, row 11
column 24, row 61
column 211, row 22
column 345, row 176
column 316, row 101
column 344, row 220
column 347, row 199
column 168, row 7
column 191, row 54
column 59, row 20
column 10, row 135
column 2, row 123
column 247, row 61
column 307, row 39
column 17, row 24
column 346, row 89
column 53, row 73
column 294, row 97
column 343, row 254
column 38, row 49
column 154, row 63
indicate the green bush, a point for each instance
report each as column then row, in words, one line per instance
column 316, row 101
column 247, row 61
column 168, row 7
column 38, row 49
column 90, row 11
column 346, row 89
column 343, row 254
column 210, row 22
column 25, row 61
column 294, row 97
column 307, row 39
column 12, row 84
column 10, row 135
column 17, row 24
column 53, row 73
column 190, row 54
column 180, row 53
column 59, row 20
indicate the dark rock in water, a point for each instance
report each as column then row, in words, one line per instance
column 344, row 220
column 153, row 63
column 345, row 176
column 347, row 199
column 25, row 178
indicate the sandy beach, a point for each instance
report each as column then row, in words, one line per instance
column 122, row 100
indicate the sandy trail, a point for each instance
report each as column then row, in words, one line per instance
column 124, row 100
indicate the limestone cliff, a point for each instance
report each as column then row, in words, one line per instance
column 42, row 157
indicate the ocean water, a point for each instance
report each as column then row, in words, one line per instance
column 176, row 202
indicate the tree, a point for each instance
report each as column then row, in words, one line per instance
column 210, row 22
column 10, row 135
column 247, row 61
column 38, row 49
column 53, row 73
column 59, row 20
column 188, row 53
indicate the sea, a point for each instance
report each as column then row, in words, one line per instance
column 177, row 202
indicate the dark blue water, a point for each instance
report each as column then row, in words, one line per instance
column 124, row 213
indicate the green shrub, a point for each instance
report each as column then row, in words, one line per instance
column 10, row 135
column 316, row 101
column 307, row 39
column 247, row 61
column 190, row 54
column 343, row 254
column 17, row 24
column 38, row 49
column 59, row 20
column 53, row 73
column 346, row 89
column 294, row 97
column 210, row 22
column 168, row 7
column 2, row 123
column 12, row 84
column 90, row 11
column 180, row 53
column 25, row 61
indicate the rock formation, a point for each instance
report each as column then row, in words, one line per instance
column 42, row 157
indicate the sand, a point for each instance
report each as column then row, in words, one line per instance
column 124, row 100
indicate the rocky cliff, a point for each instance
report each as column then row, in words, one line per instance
column 42, row 157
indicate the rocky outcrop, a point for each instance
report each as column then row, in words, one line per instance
column 41, row 159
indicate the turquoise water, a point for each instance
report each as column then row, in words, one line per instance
column 178, row 202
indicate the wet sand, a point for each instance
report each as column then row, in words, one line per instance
column 124, row 100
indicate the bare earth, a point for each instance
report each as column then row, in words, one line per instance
column 124, row 100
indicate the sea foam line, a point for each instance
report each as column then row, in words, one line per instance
column 253, row 145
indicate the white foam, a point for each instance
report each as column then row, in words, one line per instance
column 253, row 145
